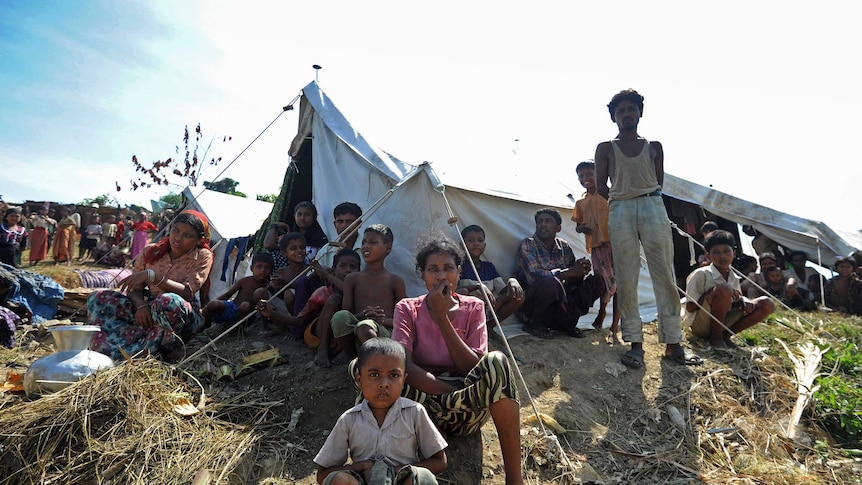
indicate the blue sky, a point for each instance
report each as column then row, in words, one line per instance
column 753, row 98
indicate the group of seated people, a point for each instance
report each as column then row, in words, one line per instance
column 343, row 313
column 799, row 286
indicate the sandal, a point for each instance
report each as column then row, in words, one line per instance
column 575, row 332
column 539, row 331
column 683, row 357
column 634, row 358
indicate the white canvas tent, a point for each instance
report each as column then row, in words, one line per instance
column 333, row 163
column 229, row 217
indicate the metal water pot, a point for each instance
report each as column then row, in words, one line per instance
column 73, row 361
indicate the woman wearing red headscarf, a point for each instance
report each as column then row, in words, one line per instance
column 157, row 309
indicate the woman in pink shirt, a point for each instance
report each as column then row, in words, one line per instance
column 449, row 369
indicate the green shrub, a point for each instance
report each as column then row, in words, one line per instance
column 838, row 406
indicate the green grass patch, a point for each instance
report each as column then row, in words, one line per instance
column 837, row 404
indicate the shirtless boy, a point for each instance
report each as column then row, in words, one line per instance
column 370, row 295
column 225, row 310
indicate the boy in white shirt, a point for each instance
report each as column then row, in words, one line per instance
column 716, row 288
column 390, row 439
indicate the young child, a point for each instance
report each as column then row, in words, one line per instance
column 591, row 216
column 370, row 295
column 319, row 308
column 90, row 238
column 292, row 248
column 109, row 231
column 716, row 288
column 390, row 439
column 13, row 237
column 506, row 297
column 224, row 310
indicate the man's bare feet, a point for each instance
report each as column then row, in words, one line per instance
column 612, row 338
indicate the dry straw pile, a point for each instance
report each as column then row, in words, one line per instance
column 120, row 427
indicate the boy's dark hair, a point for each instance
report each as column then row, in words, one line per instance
column 717, row 238
column 290, row 236
column 708, row 226
column 846, row 259
column 626, row 95
column 345, row 253
column 767, row 255
column 380, row 346
column 384, row 232
column 347, row 208
column 472, row 228
column 551, row 212
column 743, row 260
column 262, row 257
column 435, row 242
column 770, row 269
column 584, row 165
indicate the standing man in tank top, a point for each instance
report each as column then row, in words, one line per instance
column 637, row 217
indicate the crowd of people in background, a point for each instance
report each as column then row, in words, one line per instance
column 52, row 234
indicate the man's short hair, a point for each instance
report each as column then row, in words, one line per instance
column 347, row 208
column 384, row 232
column 584, row 165
column 262, row 257
column 380, row 346
column 551, row 212
column 718, row 238
column 626, row 95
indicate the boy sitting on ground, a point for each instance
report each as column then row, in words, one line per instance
column 292, row 247
column 319, row 308
column 225, row 310
column 389, row 439
column 370, row 295
column 505, row 297
column 715, row 307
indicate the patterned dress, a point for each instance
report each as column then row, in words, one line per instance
column 176, row 320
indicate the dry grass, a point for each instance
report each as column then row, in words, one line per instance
column 120, row 426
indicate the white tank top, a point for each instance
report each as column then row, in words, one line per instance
column 633, row 176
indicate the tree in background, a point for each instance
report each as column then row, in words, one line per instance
column 172, row 199
column 103, row 200
column 174, row 171
column 267, row 197
column 226, row 185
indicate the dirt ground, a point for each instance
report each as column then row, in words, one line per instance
column 616, row 426
column 609, row 420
